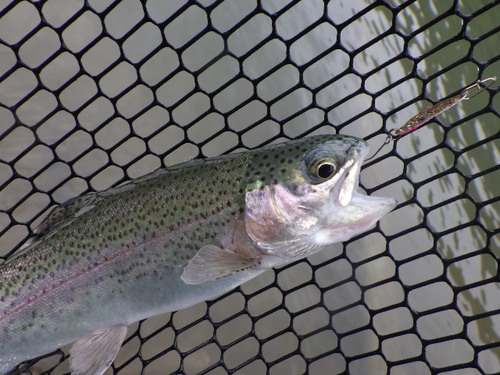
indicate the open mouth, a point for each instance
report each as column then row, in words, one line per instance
column 348, row 201
column 344, row 185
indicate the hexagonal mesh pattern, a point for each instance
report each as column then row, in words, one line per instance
column 96, row 92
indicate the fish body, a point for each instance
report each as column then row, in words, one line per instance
column 172, row 239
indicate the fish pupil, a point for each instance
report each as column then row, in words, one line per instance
column 325, row 170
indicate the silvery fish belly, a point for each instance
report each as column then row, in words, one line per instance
column 172, row 239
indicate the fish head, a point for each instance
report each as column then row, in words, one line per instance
column 306, row 195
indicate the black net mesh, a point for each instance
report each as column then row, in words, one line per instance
column 96, row 92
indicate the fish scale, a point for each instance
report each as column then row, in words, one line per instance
column 167, row 241
column 81, row 243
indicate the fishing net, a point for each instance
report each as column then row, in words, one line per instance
column 94, row 93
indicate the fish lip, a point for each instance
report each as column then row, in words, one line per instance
column 372, row 208
column 349, row 183
column 345, row 185
column 384, row 204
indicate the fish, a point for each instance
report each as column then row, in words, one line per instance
column 174, row 238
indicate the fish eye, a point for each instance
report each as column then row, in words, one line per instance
column 326, row 170
column 322, row 170
column 320, row 165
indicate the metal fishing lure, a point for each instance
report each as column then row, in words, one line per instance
column 428, row 114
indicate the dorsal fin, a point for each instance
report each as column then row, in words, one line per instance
column 61, row 215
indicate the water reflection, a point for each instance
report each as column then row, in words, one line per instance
column 469, row 163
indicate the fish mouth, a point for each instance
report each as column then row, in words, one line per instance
column 350, row 212
column 346, row 184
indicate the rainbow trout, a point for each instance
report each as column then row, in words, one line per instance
column 172, row 239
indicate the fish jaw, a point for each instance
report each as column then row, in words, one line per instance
column 348, row 212
column 341, row 223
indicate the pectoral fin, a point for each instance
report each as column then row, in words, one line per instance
column 212, row 263
column 93, row 354
column 294, row 249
